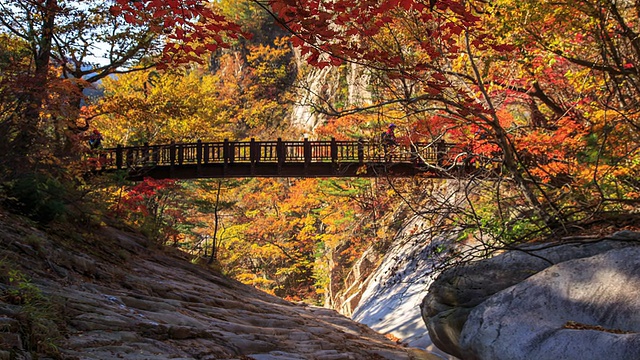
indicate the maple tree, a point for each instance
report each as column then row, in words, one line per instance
column 586, row 72
column 155, row 207
column 238, row 98
column 59, row 37
column 191, row 27
column 67, row 46
column 480, row 74
column 284, row 233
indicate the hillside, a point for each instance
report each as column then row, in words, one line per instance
column 93, row 291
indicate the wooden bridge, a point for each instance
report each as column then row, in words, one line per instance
column 236, row 159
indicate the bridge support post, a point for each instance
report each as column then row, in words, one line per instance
column 172, row 158
column 280, row 152
column 155, row 154
column 360, row 151
column 441, row 150
column 334, row 150
column 146, row 154
column 254, row 155
column 199, row 157
column 180, row 149
column 129, row 159
column 225, row 156
column 307, row 154
column 119, row 157
column 414, row 156
column 334, row 155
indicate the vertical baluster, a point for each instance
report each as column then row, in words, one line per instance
column 145, row 154
column 334, row 150
column 253, row 155
column 172, row 158
column 199, row 157
column 441, row 152
column 225, row 155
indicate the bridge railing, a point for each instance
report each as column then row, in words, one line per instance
column 280, row 152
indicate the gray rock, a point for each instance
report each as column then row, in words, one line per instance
column 10, row 341
column 277, row 355
column 391, row 302
column 456, row 292
column 583, row 309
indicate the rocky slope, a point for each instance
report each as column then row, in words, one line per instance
column 396, row 288
column 384, row 291
column 97, row 292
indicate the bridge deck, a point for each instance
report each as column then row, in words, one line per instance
column 277, row 159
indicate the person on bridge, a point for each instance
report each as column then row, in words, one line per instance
column 95, row 139
column 389, row 141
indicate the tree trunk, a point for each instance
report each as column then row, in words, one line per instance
column 216, row 220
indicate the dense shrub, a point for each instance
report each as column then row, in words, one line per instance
column 37, row 196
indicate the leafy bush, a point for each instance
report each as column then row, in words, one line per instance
column 37, row 196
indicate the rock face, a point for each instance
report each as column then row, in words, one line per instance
column 571, row 301
column 344, row 296
column 112, row 295
column 390, row 302
column 317, row 86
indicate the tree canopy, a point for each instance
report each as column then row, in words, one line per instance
column 541, row 98
column 547, row 89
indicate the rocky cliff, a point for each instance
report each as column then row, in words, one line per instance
column 391, row 300
column 385, row 291
column 97, row 292
column 339, row 87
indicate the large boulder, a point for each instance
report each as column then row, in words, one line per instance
column 457, row 292
column 587, row 309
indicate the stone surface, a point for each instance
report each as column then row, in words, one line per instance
column 345, row 295
column 583, row 309
column 120, row 298
column 391, row 301
column 457, row 292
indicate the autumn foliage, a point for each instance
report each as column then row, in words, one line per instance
column 539, row 98
column 192, row 27
column 552, row 111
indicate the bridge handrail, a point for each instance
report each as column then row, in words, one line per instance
column 279, row 151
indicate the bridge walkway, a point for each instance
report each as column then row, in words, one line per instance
column 278, row 158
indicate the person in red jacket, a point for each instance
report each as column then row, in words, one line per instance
column 389, row 141
column 95, row 139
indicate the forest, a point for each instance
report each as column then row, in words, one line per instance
column 542, row 98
